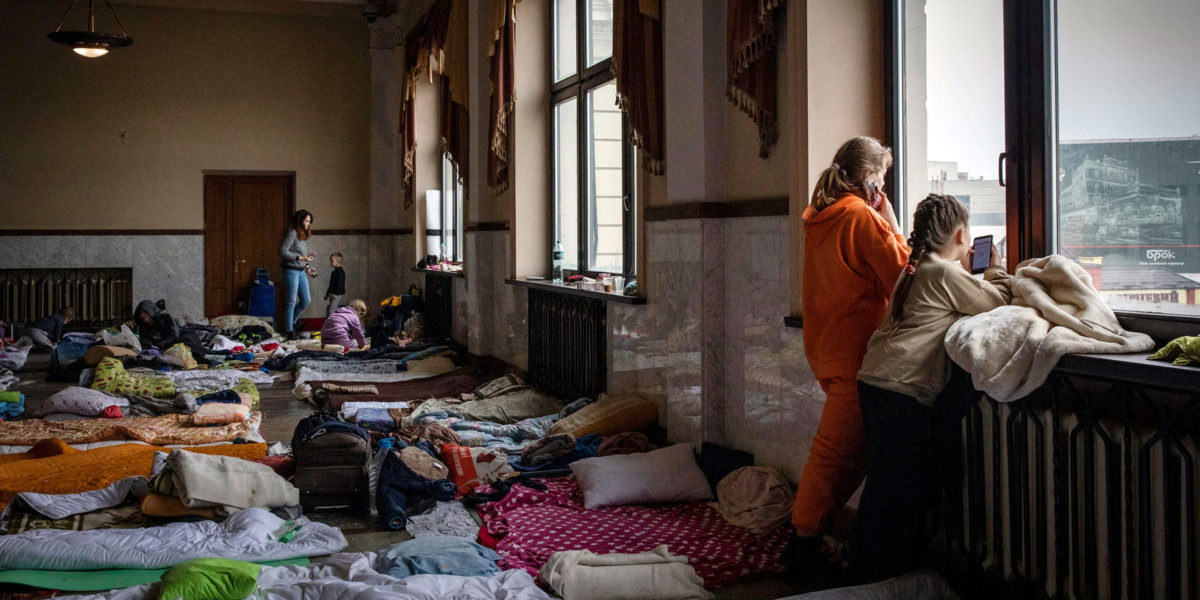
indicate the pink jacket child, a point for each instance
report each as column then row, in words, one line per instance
column 344, row 328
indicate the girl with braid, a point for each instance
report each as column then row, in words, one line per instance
column 853, row 253
column 903, row 372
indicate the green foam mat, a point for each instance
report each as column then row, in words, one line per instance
column 109, row 579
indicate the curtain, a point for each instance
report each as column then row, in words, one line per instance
column 503, row 96
column 424, row 51
column 752, row 53
column 638, row 65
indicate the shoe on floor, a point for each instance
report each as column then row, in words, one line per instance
column 291, row 336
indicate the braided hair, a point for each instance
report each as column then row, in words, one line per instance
column 936, row 219
column 854, row 161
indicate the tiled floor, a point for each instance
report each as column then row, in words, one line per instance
column 281, row 411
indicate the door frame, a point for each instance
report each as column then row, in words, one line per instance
column 204, row 174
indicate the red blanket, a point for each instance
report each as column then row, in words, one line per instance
column 537, row 524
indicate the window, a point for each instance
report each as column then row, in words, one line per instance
column 1128, row 150
column 593, row 179
column 1094, row 111
column 444, row 234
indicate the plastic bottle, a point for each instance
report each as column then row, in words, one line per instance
column 374, row 467
column 556, row 274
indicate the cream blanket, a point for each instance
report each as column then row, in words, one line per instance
column 582, row 575
column 1011, row 350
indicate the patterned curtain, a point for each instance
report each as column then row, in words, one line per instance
column 752, row 56
column 456, row 89
column 503, row 95
column 424, row 51
column 638, row 65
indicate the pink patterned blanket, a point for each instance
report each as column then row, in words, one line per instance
column 537, row 524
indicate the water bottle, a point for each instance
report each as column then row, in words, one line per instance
column 373, row 469
column 556, row 274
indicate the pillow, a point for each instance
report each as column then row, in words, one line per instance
column 608, row 416
column 210, row 579
column 217, row 413
column 78, row 401
column 666, row 475
column 97, row 353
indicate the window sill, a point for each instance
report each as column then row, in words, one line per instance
column 442, row 273
column 573, row 291
column 1134, row 368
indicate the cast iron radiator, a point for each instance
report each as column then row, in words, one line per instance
column 99, row 296
column 1086, row 489
column 567, row 344
column 439, row 305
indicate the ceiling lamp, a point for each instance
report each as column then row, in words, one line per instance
column 89, row 43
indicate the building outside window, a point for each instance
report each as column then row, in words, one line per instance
column 451, row 222
column 1122, row 194
column 593, row 178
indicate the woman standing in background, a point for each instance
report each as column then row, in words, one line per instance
column 296, row 259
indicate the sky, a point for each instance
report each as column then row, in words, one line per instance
column 1126, row 70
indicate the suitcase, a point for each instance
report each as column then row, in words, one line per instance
column 262, row 295
column 331, row 468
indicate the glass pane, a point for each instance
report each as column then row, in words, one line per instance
column 1129, row 150
column 600, row 30
column 566, row 180
column 953, row 109
column 566, row 39
column 452, row 210
column 605, row 184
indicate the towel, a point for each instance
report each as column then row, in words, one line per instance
column 1011, row 350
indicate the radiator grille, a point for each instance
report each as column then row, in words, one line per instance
column 567, row 344
column 100, row 297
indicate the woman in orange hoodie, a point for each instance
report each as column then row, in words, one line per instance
column 854, row 252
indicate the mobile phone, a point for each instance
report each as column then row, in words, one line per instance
column 983, row 254
column 874, row 200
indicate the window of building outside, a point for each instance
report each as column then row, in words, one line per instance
column 593, row 181
column 1125, row 201
column 451, row 212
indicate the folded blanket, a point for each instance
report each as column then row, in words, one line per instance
column 1056, row 311
column 162, row 430
column 583, row 575
column 204, row 480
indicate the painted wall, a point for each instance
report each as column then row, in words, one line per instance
column 119, row 142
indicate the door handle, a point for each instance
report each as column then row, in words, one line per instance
column 237, row 264
column 1000, row 166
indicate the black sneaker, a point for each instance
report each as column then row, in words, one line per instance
column 291, row 336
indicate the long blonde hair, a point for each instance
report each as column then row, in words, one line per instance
column 853, row 162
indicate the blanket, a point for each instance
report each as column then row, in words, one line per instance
column 328, row 395
column 1056, row 311
column 53, row 467
column 246, row 535
column 13, row 357
column 583, row 575
column 215, row 379
column 203, row 480
column 160, row 431
column 7, row 379
column 301, row 389
column 352, row 576
column 536, row 524
column 510, row 438
column 509, row 408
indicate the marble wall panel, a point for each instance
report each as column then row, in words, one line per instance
column 169, row 267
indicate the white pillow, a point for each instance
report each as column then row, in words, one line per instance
column 667, row 475
column 78, row 401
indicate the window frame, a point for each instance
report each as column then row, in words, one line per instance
column 1030, row 159
column 452, row 209
column 584, row 80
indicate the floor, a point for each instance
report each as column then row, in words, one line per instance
column 281, row 411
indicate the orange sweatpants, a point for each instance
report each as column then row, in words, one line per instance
column 837, row 462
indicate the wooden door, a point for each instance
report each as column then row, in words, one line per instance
column 245, row 217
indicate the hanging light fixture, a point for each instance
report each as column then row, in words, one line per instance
column 89, row 43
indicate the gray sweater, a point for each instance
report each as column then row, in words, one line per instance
column 292, row 250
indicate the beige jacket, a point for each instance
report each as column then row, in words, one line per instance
column 909, row 357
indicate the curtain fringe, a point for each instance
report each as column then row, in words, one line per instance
column 768, row 130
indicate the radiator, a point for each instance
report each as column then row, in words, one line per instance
column 567, row 344
column 1086, row 489
column 100, row 297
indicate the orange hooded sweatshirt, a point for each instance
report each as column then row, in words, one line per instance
column 852, row 259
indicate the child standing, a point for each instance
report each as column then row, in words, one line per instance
column 905, row 369
column 337, row 283
column 344, row 326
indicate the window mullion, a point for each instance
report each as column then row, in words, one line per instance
column 581, row 140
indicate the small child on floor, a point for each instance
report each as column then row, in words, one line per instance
column 904, row 371
column 344, row 326
column 45, row 332
column 337, row 283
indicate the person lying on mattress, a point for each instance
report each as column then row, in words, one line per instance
column 344, row 326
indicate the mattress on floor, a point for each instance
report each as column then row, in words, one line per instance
column 160, row 431
column 449, row 384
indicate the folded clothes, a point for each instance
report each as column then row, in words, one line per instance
column 548, row 449
column 12, row 397
column 375, row 419
column 10, row 408
column 438, row 555
column 223, row 396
